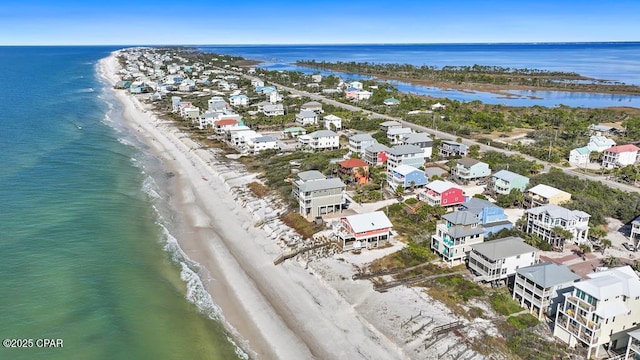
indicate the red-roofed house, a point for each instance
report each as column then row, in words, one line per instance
column 221, row 126
column 355, row 170
column 620, row 156
column 442, row 193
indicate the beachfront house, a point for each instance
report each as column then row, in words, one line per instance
column 405, row 155
column 455, row 234
column 221, row 126
column 332, row 122
column 634, row 236
column 354, row 170
column 376, row 154
column 442, row 193
column 545, row 220
column 320, row 140
column 368, row 230
column 306, row 117
column 316, row 195
column 468, row 169
column 600, row 311
column 359, row 142
column 504, row 181
column 491, row 216
column 542, row 194
column 406, row 176
column 421, row 140
column 620, row 156
column 498, row 260
column 539, row 288
column 396, row 134
column 261, row 143
column 452, row 148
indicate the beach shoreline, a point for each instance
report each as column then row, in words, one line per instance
column 287, row 311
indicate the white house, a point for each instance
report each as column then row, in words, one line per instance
column 273, row 110
column 455, row 235
column 318, row 195
column 600, row 143
column 405, row 155
column 239, row 100
column 579, row 156
column 320, row 140
column 312, row 106
column 421, row 140
column 356, row 84
column 498, row 260
column 363, row 95
column 359, row 142
column 261, row 143
column 396, row 135
column 306, row 117
column 332, row 122
column 542, row 221
column 600, row 311
column 620, row 156
column 368, row 230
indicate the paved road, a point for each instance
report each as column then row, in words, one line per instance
column 444, row 135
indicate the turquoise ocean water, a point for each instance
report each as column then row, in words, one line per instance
column 86, row 256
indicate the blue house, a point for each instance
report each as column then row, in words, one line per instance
column 491, row 216
column 407, row 176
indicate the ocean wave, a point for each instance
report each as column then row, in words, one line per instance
column 86, row 90
column 149, row 186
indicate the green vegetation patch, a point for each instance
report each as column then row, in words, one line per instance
column 523, row 321
column 503, row 304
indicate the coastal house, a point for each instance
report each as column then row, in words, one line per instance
column 620, row 156
column 541, row 287
column 190, row 112
column 363, row 95
column 391, row 101
column 239, row 100
column 452, row 148
column 455, row 235
column 491, row 216
column 261, row 143
column 351, row 93
column 543, row 220
column 579, row 156
column 255, row 82
column 386, row 125
column 396, row 134
column 368, row 230
column 600, row 311
column 504, row 181
column 356, row 84
column 542, row 194
column 405, row 155
column 359, row 142
column 312, row 106
column 354, row 170
column 332, row 122
column 421, row 140
column 598, row 129
column 231, row 131
column 217, row 104
column 438, row 106
column 600, row 143
column 376, row 154
column 221, row 126
column 320, row 140
column 498, row 260
column 265, row 89
column 316, row 195
column 442, row 193
column 316, row 78
column 306, row 117
column 294, row 132
column 406, row 176
column 635, row 232
column 239, row 139
column 468, row 169
column 273, row 110
column 633, row 346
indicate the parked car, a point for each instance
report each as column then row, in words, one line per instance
column 628, row 246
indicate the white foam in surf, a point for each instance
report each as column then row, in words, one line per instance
column 148, row 186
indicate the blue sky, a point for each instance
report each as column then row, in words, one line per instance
column 144, row 22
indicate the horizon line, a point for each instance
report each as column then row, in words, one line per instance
column 344, row 44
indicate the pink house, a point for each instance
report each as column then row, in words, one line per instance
column 443, row 193
column 351, row 93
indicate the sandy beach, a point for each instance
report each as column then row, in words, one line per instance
column 291, row 311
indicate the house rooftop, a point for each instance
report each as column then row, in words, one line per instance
column 461, row 217
column 307, row 113
column 441, row 186
column 558, row 212
column 468, row 162
column 377, row 147
column 416, row 138
column 368, row 221
column 311, row 175
column 623, row 148
column 353, row 163
column 263, row 139
column 323, row 133
column 361, row 137
column 322, row 184
column 611, row 283
column 405, row 170
column 503, row 248
column 390, row 123
column 546, row 191
column 399, row 150
column 548, row 274
column 476, row 205
column 509, row 176
column 583, row 150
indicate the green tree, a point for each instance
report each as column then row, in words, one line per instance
column 400, row 190
column 474, row 151
column 560, row 236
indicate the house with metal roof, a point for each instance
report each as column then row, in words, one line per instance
column 620, row 156
column 307, row 117
column 354, row 170
column 542, row 194
column 359, row 142
column 316, row 195
column 376, row 154
column 543, row 220
column 368, row 230
column 407, row 176
column 468, row 169
column 579, row 156
column 600, row 143
column 504, row 181
column 499, row 259
column 600, row 311
column 492, row 217
column 442, row 193
column 455, row 234
column 332, row 122
column 452, row 148
column 540, row 287
column 421, row 140
column 405, row 155
column 396, row 134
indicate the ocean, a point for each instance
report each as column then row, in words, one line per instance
column 607, row 61
column 85, row 228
